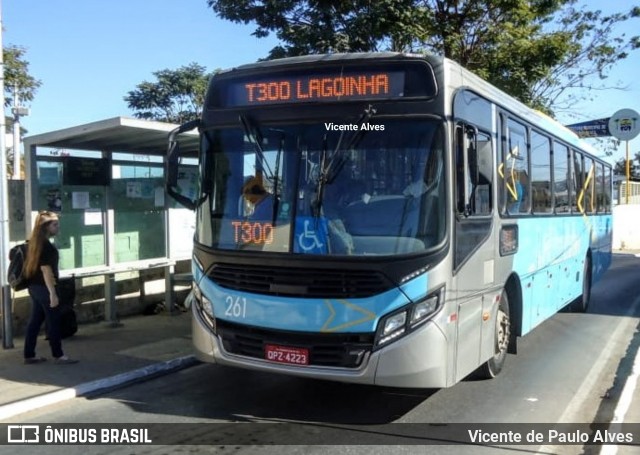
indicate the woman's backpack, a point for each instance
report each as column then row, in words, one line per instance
column 15, row 277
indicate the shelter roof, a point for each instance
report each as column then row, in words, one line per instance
column 118, row 134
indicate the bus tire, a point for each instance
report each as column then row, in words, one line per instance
column 492, row 367
column 581, row 304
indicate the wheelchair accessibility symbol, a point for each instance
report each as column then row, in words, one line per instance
column 308, row 240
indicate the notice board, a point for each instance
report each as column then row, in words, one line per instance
column 86, row 171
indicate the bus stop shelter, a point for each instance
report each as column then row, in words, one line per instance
column 106, row 180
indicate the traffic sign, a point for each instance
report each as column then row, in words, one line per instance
column 624, row 124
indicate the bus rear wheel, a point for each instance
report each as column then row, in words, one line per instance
column 492, row 367
column 581, row 304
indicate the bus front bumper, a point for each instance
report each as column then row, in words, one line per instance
column 418, row 360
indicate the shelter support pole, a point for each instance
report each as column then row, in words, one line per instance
column 7, row 327
column 110, row 309
column 169, row 270
column 169, row 293
column 110, row 288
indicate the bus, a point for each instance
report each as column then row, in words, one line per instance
column 383, row 218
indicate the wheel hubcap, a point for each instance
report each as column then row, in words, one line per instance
column 503, row 331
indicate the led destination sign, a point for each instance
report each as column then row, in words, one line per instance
column 252, row 232
column 316, row 87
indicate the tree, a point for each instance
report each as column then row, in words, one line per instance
column 594, row 49
column 536, row 50
column 176, row 97
column 16, row 73
column 620, row 168
column 326, row 26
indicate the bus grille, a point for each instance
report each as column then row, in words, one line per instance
column 300, row 282
column 345, row 350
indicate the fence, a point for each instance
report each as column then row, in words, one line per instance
column 621, row 193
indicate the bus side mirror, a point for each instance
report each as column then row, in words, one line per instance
column 480, row 157
column 173, row 162
column 485, row 159
column 471, row 145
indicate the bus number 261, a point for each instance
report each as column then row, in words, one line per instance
column 236, row 307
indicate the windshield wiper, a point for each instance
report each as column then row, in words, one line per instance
column 256, row 138
column 276, row 200
column 329, row 171
column 338, row 157
column 316, row 205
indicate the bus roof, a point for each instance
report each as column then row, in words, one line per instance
column 450, row 67
column 534, row 117
column 320, row 58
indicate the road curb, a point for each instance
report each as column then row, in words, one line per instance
column 46, row 399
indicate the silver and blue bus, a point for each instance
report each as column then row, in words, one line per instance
column 385, row 219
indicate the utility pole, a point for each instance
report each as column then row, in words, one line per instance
column 628, row 176
column 5, row 294
column 625, row 126
column 18, row 111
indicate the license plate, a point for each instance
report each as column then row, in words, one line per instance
column 286, row 354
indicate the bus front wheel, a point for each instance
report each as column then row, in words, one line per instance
column 492, row 367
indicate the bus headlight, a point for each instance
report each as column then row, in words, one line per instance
column 398, row 324
column 423, row 309
column 205, row 308
column 393, row 327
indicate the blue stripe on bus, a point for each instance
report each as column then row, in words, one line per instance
column 359, row 315
column 549, row 261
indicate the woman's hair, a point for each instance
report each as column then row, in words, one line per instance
column 36, row 242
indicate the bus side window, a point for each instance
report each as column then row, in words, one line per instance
column 514, row 170
column 483, row 188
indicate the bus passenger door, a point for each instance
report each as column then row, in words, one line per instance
column 473, row 246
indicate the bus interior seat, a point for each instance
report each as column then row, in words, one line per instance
column 386, row 245
column 383, row 216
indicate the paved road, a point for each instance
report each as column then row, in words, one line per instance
column 569, row 369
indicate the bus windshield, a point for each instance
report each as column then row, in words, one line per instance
column 368, row 188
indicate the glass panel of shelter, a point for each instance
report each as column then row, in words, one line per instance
column 81, row 237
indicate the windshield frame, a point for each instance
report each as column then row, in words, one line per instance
column 311, row 221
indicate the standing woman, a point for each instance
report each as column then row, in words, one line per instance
column 41, row 271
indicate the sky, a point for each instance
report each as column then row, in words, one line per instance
column 90, row 53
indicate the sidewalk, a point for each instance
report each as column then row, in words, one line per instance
column 109, row 356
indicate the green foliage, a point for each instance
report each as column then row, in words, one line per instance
column 539, row 51
column 322, row 26
column 176, row 97
column 620, row 167
column 593, row 48
column 16, row 72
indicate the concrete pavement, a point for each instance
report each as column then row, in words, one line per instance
column 109, row 357
column 152, row 345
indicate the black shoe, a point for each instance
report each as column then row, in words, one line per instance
column 32, row 360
